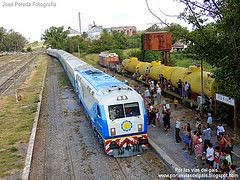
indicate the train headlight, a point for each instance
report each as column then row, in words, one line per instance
column 120, row 98
column 140, row 126
column 113, row 131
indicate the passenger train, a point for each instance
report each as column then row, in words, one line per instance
column 115, row 110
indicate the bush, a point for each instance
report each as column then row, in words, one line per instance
column 29, row 49
column 152, row 56
column 135, row 53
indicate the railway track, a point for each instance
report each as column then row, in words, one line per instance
column 10, row 80
column 5, row 62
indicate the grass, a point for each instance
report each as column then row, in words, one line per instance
column 89, row 58
column 16, row 120
column 184, row 60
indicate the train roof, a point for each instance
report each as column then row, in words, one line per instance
column 101, row 81
column 107, row 54
column 73, row 61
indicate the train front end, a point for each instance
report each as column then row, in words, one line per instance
column 126, row 134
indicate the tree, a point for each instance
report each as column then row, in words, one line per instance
column 106, row 40
column 11, row 40
column 119, row 40
column 178, row 32
column 216, row 39
column 153, row 28
column 55, row 37
column 76, row 43
column 135, row 41
column 2, row 36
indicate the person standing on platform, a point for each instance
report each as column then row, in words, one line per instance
column 186, row 89
column 220, row 129
column 216, row 163
column 207, row 133
column 209, row 119
column 198, row 150
column 159, row 92
column 210, row 155
column 180, row 87
column 177, row 130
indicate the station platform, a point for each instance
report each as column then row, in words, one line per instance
column 172, row 153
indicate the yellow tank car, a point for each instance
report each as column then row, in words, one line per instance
column 194, row 79
column 191, row 75
column 143, row 69
column 156, row 63
column 124, row 62
column 156, row 71
column 130, row 65
column 174, row 74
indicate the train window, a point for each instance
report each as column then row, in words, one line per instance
column 116, row 111
column 98, row 111
column 131, row 109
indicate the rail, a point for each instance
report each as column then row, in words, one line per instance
column 6, row 84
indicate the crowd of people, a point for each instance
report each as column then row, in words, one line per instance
column 197, row 139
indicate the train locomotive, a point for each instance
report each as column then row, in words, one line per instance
column 107, row 59
column 116, row 111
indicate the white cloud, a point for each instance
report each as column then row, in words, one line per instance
column 32, row 21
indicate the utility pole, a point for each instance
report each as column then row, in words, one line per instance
column 80, row 26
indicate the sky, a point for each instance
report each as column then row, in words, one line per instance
column 31, row 19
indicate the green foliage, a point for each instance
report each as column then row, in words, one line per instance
column 55, row 37
column 11, row 40
column 152, row 56
column 120, row 53
column 77, row 43
column 119, row 40
column 106, row 41
column 116, row 40
column 29, row 49
column 148, row 57
column 134, row 41
column 185, row 60
column 153, row 28
column 178, row 32
column 217, row 42
column 135, row 53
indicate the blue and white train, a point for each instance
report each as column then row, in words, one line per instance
column 115, row 110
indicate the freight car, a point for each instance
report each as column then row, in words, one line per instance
column 107, row 59
column 115, row 111
column 153, row 70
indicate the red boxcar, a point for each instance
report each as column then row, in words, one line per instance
column 106, row 58
column 161, row 41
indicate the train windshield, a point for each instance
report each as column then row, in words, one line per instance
column 123, row 110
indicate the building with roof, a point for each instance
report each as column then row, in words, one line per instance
column 94, row 31
column 127, row 30
column 73, row 32
column 178, row 46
